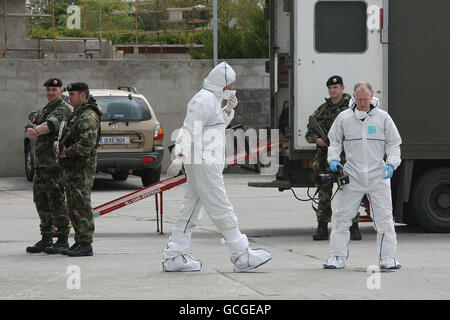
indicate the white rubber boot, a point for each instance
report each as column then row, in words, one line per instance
column 250, row 259
column 334, row 262
column 389, row 263
column 182, row 263
column 244, row 258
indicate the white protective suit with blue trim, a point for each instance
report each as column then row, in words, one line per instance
column 202, row 142
column 365, row 144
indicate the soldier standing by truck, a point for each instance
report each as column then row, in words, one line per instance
column 325, row 116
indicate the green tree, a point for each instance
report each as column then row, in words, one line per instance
column 248, row 37
column 242, row 30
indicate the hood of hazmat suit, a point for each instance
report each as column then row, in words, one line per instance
column 202, row 137
column 365, row 142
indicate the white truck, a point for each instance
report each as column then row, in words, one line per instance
column 401, row 47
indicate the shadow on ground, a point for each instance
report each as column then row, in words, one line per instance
column 105, row 183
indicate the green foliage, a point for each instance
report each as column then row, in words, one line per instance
column 242, row 30
column 247, row 38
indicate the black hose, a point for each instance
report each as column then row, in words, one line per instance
column 313, row 198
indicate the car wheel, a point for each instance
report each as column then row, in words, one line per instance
column 150, row 176
column 431, row 200
column 120, row 176
column 29, row 162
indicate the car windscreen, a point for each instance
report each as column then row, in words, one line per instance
column 123, row 109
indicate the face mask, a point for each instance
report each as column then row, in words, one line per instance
column 361, row 115
column 226, row 94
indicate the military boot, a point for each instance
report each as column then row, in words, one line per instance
column 322, row 232
column 82, row 250
column 61, row 244
column 74, row 246
column 354, row 232
column 45, row 242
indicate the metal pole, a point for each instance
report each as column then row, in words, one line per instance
column 5, row 27
column 109, row 19
column 85, row 19
column 161, row 211
column 54, row 35
column 38, row 4
column 157, row 213
column 165, row 24
column 30, row 8
column 216, row 55
column 136, row 8
column 100, row 30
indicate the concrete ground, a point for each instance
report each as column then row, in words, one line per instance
column 127, row 260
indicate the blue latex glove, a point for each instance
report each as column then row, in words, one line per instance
column 388, row 172
column 334, row 165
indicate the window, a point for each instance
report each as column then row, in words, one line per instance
column 123, row 109
column 341, row 26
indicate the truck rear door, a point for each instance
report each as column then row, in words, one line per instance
column 333, row 38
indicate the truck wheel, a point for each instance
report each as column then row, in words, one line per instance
column 408, row 217
column 431, row 200
column 120, row 176
column 29, row 162
column 150, row 176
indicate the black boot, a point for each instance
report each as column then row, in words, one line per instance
column 322, row 232
column 354, row 232
column 82, row 250
column 74, row 246
column 45, row 242
column 58, row 246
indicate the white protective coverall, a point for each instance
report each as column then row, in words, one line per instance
column 202, row 142
column 365, row 144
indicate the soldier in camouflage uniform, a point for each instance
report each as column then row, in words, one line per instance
column 48, row 191
column 79, row 144
column 325, row 116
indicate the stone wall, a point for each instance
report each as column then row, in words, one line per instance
column 168, row 85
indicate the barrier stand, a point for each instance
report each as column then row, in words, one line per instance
column 157, row 215
column 161, row 207
column 159, row 211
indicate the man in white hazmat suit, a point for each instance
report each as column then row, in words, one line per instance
column 367, row 135
column 200, row 148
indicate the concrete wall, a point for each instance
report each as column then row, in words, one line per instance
column 16, row 30
column 168, row 85
column 65, row 49
column 16, row 25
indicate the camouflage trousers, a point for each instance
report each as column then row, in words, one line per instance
column 79, row 180
column 48, row 196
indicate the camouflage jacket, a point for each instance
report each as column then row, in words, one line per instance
column 53, row 114
column 82, row 134
column 325, row 116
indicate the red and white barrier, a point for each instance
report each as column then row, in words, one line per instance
column 167, row 184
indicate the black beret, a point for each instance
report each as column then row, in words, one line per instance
column 54, row 82
column 334, row 80
column 77, row 86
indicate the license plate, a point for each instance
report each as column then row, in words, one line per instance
column 115, row 140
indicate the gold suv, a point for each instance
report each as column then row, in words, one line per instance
column 131, row 140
